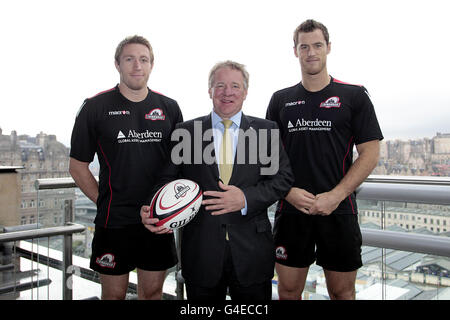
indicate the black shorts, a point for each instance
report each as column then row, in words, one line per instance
column 333, row 241
column 117, row 251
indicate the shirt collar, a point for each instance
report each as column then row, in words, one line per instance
column 216, row 119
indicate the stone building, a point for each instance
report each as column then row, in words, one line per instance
column 41, row 157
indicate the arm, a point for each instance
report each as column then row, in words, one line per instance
column 83, row 178
column 301, row 199
column 367, row 160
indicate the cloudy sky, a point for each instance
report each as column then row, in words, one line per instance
column 55, row 54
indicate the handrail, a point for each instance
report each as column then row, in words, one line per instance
column 404, row 241
column 55, row 183
column 432, row 190
column 67, row 229
column 425, row 180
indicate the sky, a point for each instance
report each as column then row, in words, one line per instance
column 55, row 54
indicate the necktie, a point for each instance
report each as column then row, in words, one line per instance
column 226, row 153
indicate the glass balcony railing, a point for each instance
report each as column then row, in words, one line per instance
column 405, row 223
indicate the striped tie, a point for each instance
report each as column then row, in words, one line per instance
column 226, row 153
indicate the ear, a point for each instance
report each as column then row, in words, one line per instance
column 117, row 66
column 328, row 47
column 210, row 91
column 295, row 51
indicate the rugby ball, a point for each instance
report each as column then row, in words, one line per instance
column 176, row 203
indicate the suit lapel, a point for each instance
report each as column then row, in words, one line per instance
column 207, row 125
column 237, row 169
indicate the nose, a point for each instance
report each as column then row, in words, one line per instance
column 311, row 52
column 228, row 90
column 137, row 64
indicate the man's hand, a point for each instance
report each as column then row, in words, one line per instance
column 325, row 203
column 230, row 200
column 301, row 199
column 149, row 223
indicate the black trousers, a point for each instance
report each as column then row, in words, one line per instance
column 260, row 291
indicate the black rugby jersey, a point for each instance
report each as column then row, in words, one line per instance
column 131, row 140
column 319, row 130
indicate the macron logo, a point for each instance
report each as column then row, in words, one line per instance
column 295, row 103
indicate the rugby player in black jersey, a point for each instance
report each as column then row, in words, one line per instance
column 321, row 119
column 129, row 127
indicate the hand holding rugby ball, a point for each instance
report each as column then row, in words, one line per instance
column 176, row 203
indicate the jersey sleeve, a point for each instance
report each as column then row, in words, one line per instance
column 179, row 115
column 83, row 142
column 273, row 110
column 364, row 120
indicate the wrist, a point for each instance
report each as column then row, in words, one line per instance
column 340, row 193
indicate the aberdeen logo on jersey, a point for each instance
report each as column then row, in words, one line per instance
column 155, row 114
column 332, row 102
column 141, row 137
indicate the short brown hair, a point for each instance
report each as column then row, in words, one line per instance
column 133, row 39
column 309, row 26
column 232, row 65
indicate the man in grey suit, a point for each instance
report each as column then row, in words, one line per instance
column 229, row 244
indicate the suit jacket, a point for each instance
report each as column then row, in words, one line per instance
column 250, row 236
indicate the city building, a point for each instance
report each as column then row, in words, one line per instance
column 421, row 157
column 40, row 157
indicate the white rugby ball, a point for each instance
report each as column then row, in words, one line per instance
column 176, row 203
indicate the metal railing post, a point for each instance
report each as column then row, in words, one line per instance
column 178, row 277
column 67, row 253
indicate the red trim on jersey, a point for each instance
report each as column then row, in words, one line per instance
column 109, row 182
column 102, row 92
column 343, row 169
column 157, row 92
column 342, row 82
column 280, row 206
